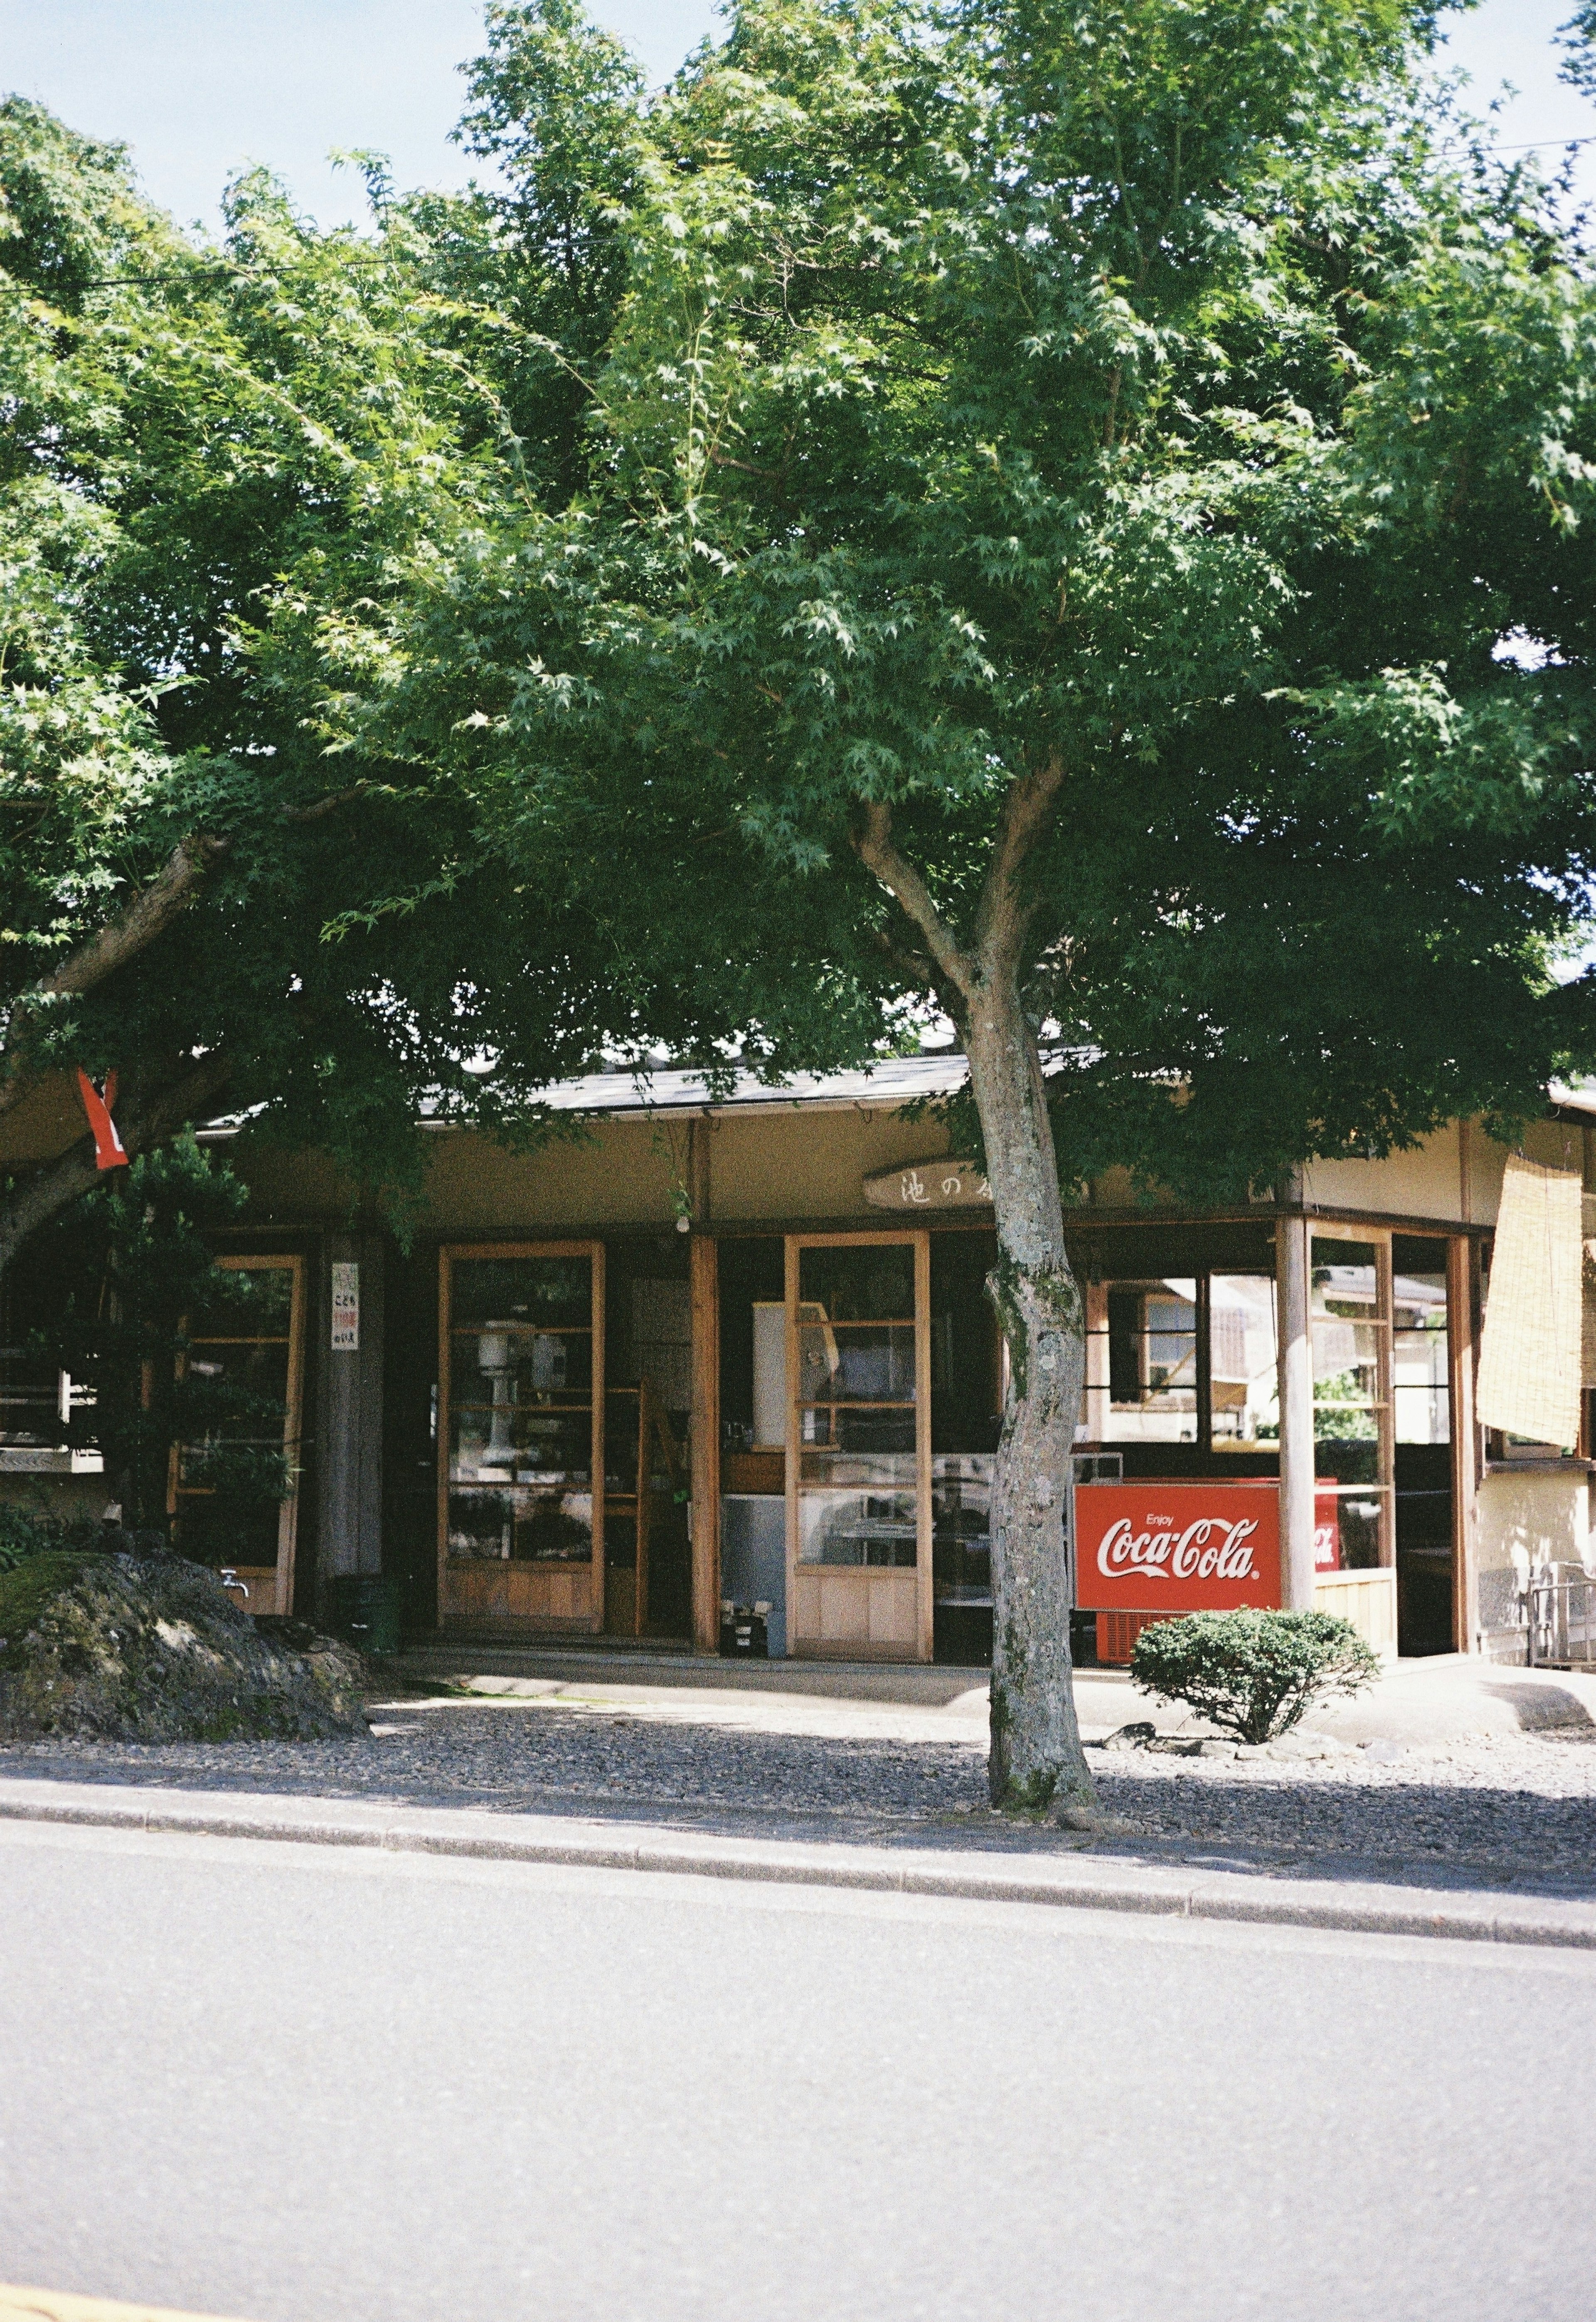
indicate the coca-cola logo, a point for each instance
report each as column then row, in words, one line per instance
column 1208, row 1549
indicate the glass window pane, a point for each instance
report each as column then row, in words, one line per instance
column 521, row 1291
column 522, row 1365
column 1358, row 1521
column 508, row 1444
column 848, row 1427
column 858, row 1282
column 245, row 1301
column 237, row 1372
column 1351, row 1455
column 521, row 1526
column 1420, row 1378
column 855, row 1362
column 961, row 1528
column 1243, row 1361
column 875, row 1528
column 835, row 1470
column 228, row 1534
column 1346, row 1323
column 1142, row 1373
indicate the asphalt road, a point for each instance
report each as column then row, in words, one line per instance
column 320, row 2085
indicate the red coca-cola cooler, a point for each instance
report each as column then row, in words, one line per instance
column 1150, row 1551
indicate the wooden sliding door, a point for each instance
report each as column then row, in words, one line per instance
column 248, row 1346
column 520, row 1436
column 858, row 1446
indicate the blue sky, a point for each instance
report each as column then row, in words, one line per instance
column 197, row 88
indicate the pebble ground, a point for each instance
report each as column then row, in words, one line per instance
column 1505, row 1811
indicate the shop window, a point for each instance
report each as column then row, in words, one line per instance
column 857, row 1415
column 752, row 1365
column 1421, row 1395
column 1350, row 1324
column 523, row 1422
column 1151, row 1333
column 232, row 1492
column 648, row 1400
column 46, row 1415
column 1243, row 1363
column 1422, row 1429
column 1184, row 1362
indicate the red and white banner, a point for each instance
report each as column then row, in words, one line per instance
column 1176, row 1548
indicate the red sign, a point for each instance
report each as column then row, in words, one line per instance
column 1176, row 1547
column 1326, row 1529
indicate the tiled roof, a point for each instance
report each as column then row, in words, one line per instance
column 895, row 1081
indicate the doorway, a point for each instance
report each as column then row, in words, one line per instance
column 859, row 1510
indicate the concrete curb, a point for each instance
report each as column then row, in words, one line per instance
column 1076, row 1881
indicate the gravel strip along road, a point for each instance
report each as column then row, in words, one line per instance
column 1502, row 1811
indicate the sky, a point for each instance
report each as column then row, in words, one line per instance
column 199, row 89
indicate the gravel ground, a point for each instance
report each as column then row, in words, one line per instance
column 1506, row 1810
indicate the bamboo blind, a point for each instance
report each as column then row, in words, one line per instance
column 1530, row 1355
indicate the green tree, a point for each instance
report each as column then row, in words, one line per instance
column 134, row 1276
column 201, row 440
column 1078, row 526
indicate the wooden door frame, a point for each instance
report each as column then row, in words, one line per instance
column 288, row 1515
column 448, row 1253
column 919, row 1238
column 1379, row 1239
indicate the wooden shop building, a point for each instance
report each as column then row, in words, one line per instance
column 704, row 1352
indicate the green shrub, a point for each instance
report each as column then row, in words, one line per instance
column 27, row 1531
column 1250, row 1673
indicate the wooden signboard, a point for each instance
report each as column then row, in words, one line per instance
column 939, row 1184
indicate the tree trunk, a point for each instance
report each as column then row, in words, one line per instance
column 1036, row 1762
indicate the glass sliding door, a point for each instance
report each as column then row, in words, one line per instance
column 1350, row 1320
column 1421, row 1412
column 858, row 1446
column 521, row 1435
column 248, row 1349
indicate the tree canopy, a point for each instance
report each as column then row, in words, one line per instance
column 941, row 391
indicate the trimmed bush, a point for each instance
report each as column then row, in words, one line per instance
column 27, row 1531
column 1253, row 1674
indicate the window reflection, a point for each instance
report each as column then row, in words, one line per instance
column 857, row 1406
column 521, row 1409
column 1349, row 1329
column 1244, row 1362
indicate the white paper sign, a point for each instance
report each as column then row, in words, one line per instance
column 346, row 1308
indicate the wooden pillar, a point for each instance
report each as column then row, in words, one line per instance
column 1462, row 1332
column 704, row 1446
column 349, row 1447
column 1097, row 1362
column 1296, row 1414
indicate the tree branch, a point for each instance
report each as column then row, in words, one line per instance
column 324, row 806
column 123, row 936
column 1005, row 914
column 872, row 840
column 62, row 1182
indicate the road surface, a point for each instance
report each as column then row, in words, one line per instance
column 317, row 2085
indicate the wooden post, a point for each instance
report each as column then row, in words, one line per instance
column 1461, row 1262
column 1296, row 1415
column 926, row 1600
column 704, row 1446
column 645, row 1503
column 348, row 1454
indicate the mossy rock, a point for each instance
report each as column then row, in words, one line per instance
column 98, row 1647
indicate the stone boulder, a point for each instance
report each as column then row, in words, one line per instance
column 124, row 1649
